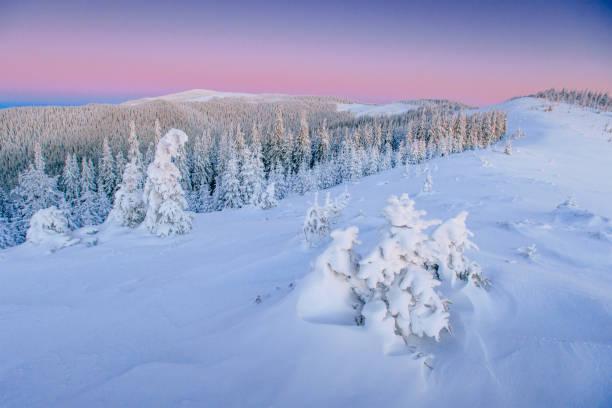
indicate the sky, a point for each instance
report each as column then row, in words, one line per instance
column 477, row 52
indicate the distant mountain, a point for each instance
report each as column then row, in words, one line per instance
column 206, row 95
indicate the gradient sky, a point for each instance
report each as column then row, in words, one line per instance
column 479, row 52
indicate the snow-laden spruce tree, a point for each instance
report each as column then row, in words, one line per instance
column 69, row 184
column 129, row 208
column 316, row 223
column 229, row 187
column 449, row 241
column 333, row 208
column 89, row 212
column 7, row 234
column 268, row 198
column 397, row 272
column 164, row 197
column 106, row 171
column 333, row 293
column 508, row 149
column 34, row 192
column 49, row 227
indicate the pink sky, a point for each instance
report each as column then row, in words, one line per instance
column 78, row 57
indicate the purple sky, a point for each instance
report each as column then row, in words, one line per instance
column 476, row 52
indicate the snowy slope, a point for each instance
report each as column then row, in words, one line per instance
column 205, row 95
column 142, row 321
column 360, row 109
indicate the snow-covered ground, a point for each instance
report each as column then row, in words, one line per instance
column 144, row 321
column 360, row 109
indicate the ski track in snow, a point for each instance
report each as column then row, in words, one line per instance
column 143, row 321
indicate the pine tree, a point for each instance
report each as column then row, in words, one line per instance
column 89, row 209
column 34, row 192
column 316, row 223
column 69, row 184
column 203, row 172
column 150, row 154
column 128, row 209
column 322, row 152
column 268, row 198
column 7, row 234
column 301, row 147
column 274, row 155
column 106, row 170
column 164, row 197
column 229, row 195
column 120, row 163
column 397, row 273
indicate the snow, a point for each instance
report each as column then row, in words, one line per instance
column 138, row 320
column 360, row 109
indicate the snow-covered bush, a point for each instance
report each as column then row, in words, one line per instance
column 49, row 227
column 393, row 290
column 449, row 241
column 335, row 293
column 399, row 273
column 316, row 223
column 508, row 149
column 319, row 219
column 163, row 194
column 334, row 207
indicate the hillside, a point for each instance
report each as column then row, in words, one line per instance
column 142, row 321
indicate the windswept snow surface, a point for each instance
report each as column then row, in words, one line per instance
column 143, row 321
column 360, row 109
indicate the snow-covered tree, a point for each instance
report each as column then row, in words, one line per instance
column 34, row 192
column 203, row 172
column 333, row 208
column 316, row 223
column 449, row 242
column 164, row 197
column 301, row 146
column 333, row 289
column 268, row 199
column 229, row 187
column 89, row 209
column 303, row 180
column 508, row 149
column 69, row 184
column 129, row 208
column 49, row 227
column 7, row 233
column 120, row 163
column 106, row 170
column 397, row 273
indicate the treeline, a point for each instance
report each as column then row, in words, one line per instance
column 244, row 162
column 82, row 129
column 596, row 100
